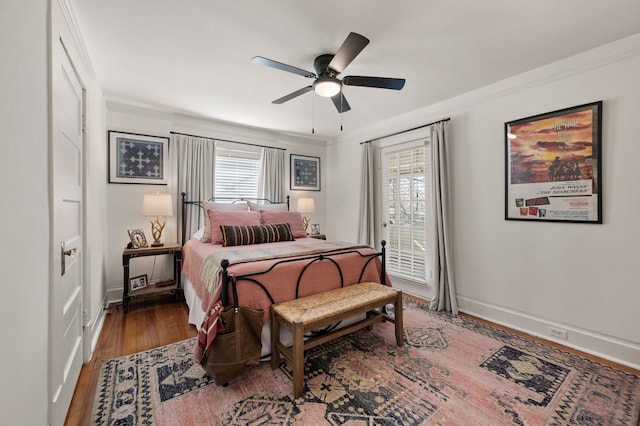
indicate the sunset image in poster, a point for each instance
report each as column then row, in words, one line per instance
column 554, row 149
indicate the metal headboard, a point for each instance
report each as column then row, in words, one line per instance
column 232, row 200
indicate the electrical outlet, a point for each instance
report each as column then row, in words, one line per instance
column 558, row 332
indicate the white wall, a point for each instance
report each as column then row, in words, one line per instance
column 343, row 186
column 24, row 215
column 96, row 217
column 529, row 275
column 124, row 201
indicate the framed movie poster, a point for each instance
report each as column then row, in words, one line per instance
column 553, row 166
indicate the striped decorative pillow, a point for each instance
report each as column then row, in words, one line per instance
column 247, row 235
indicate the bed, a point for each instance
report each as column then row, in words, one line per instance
column 271, row 270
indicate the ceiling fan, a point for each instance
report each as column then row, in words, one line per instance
column 328, row 66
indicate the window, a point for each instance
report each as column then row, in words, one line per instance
column 237, row 172
column 406, row 210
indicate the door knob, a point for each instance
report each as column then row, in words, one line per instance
column 63, row 254
column 71, row 253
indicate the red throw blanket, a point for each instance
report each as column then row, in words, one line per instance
column 210, row 327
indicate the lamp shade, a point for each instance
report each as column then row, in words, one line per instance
column 157, row 205
column 306, row 205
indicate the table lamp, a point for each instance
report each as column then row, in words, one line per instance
column 157, row 205
column 306, row 206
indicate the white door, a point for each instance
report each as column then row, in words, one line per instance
column 65, row 322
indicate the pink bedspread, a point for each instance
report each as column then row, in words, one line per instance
column 281, row 281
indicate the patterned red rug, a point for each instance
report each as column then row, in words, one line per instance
column 451, row 371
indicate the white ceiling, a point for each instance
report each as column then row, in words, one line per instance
column 194, row 56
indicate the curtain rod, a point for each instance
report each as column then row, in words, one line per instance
column 226, row 140
column 406, row 131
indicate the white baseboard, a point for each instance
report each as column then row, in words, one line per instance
column 95, row 332
column 113, row 295
column 92, row 331
column 594, row 343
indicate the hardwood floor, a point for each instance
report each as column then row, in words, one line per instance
column 159, row 321
column 150, row 323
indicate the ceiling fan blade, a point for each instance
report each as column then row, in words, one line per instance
column 379, row 82
column 351, row 47
column 293, row 95
column 283, row 67
column 340, row 102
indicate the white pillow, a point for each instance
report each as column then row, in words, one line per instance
column 211, row 205
column 255, row 207
column 199, row 234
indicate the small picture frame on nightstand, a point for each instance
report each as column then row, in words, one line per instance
column 138, row 240
column 138, row 283
column 315, row 229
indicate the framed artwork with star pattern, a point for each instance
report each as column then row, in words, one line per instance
column 305, row 173
column 136, row 158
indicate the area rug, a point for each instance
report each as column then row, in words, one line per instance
column 451, row 371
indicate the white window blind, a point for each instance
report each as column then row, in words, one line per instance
column 237, row 173
column 407, row 210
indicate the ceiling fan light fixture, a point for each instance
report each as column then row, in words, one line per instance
column 326, row 86
column 327, row 67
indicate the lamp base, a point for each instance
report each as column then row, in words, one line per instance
column 156, row 231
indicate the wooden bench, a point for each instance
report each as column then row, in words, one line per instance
column 320, row 310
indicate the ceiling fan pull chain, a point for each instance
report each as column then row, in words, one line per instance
column 341, row 107
column 313, row 113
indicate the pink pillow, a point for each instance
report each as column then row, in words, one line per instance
column 210, row 205
column 294, row 219
column 230, row 218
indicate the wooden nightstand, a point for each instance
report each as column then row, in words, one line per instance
column 168, row 249
column 318, row 236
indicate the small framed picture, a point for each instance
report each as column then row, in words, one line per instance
column 138, row 283
column 135, row 158
column 138, row 240
column 305, row 173
column 315, row 229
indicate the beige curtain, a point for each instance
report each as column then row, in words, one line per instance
column 366, row 230
column 445, row 289
column 272, row 172
column 193, row 164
